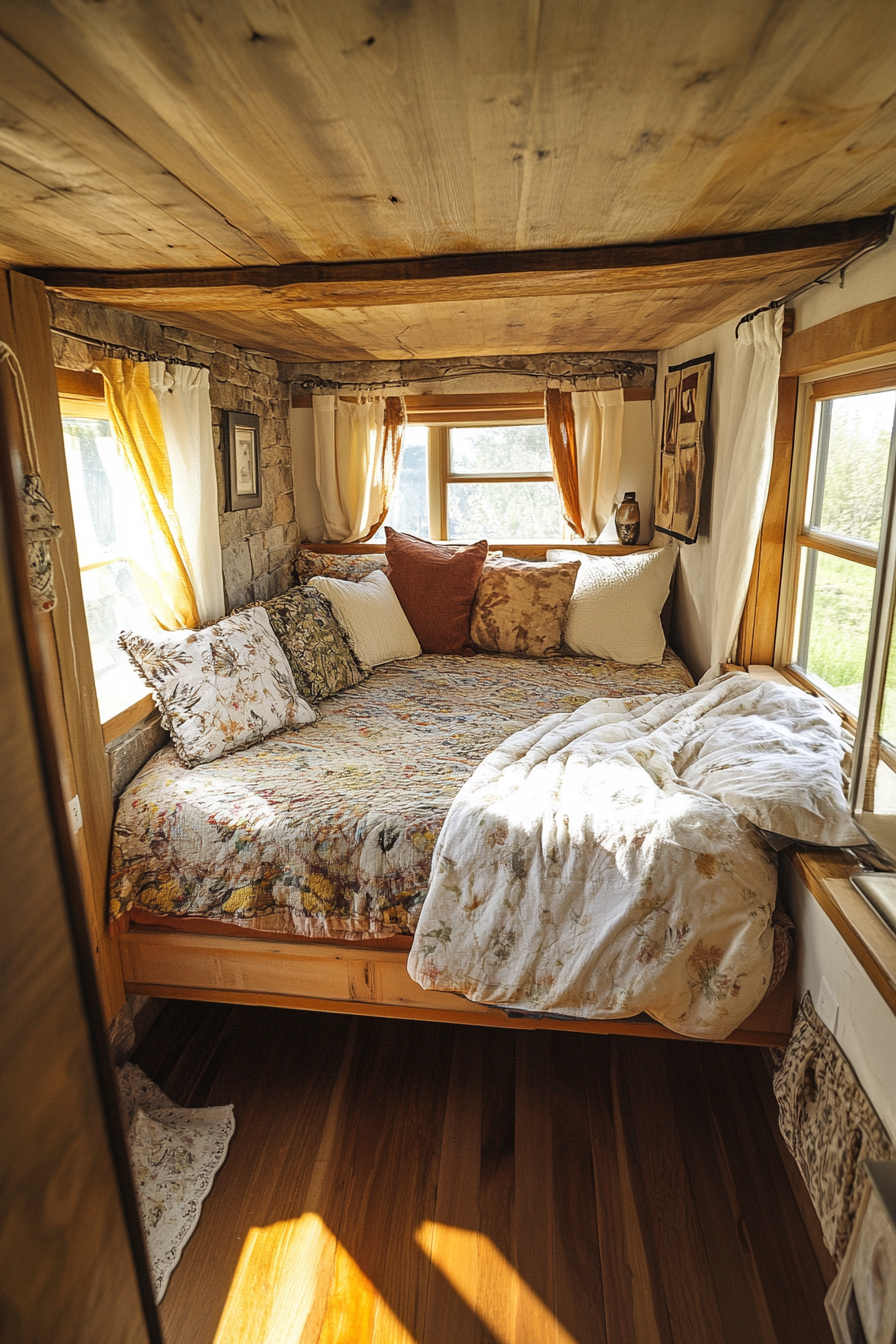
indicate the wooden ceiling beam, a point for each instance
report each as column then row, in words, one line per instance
column 735, row 259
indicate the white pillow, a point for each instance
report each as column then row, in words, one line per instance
column 221, row 688
column 616, row 604
column 371, row 616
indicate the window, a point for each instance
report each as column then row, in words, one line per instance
column 103, row 501
column 850, row 423
column 842, row 604
column 469, row 471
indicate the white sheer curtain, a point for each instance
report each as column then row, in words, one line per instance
column 185, row 407
column 598, row 421
column 585, row 438
column 743, row 469
column 356, row 446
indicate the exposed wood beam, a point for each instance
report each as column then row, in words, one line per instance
column 735, row 258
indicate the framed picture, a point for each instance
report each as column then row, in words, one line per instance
column 686, row 403
column 861, row 1302
column 243, row 458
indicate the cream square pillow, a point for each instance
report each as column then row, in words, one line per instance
column 221, row 688
column 371, row 616
column 616, row 604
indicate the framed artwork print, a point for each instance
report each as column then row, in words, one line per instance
column 686, row 402
column 243, row 458
column 861, row 1302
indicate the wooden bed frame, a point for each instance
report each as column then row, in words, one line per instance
column 367, row 980
column 363, row 978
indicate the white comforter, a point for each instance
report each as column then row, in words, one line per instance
column 602, row 863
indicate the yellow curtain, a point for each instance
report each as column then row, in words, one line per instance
column 157, row 558
column 561, row 424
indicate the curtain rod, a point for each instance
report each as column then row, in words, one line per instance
column 627, row 368
column 141, row 356
column 840, row 269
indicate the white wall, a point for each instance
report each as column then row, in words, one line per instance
column 692, row 606
column 871, row 278
column 636, row 474
column 307, row 496
column 865, row 1027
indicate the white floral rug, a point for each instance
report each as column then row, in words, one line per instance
column 175, row 1154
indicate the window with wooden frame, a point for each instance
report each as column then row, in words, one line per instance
column 842, row 463
column 474, row 466
column 103, row 499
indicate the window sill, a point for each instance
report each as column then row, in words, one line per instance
column 127, row 719
column 825, row 874
column 522, row 548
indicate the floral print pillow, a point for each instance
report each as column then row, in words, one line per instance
column 314, row 642
column 221, row 688
column 311, row 564
column 520, row 607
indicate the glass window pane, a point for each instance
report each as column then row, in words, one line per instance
column 834, row 615
column 505, row 511
column 107, row 513
column 499, row 448
column 410, row 503
column 852, row 447
column 113, row 604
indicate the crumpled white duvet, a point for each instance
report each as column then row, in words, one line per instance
column 603, row 863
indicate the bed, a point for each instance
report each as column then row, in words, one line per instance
column 293, row 873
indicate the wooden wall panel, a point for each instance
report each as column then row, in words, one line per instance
column 24, row 324
column 67, row 1269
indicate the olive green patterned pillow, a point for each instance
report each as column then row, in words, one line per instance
column 314, row 642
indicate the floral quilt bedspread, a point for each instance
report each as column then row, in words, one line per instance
column 601, row 863
column 329, row 830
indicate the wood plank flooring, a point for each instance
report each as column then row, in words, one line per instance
column 397, row 1182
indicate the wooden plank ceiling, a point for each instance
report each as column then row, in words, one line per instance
column 281, row 134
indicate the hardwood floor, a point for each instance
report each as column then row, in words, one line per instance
column 397, row 1181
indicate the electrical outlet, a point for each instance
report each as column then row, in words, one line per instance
column 827, row 1007
column 74, row 813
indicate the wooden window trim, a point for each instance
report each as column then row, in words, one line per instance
column 812, row 392
column 127, row 719
column 430, row 408
column 825, row 874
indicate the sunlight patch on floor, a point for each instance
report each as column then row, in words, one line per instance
column 490, row 1285
column 296, row 1284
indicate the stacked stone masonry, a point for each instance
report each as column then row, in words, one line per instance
column 258, row 546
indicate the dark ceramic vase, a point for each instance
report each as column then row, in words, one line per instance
column 628, row 520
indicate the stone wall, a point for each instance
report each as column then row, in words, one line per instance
column 258, row 545
column 483, row 373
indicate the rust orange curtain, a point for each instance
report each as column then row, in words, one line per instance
column 157, row 552
column 560, row 419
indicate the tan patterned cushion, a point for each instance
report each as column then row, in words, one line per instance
column 521, row 607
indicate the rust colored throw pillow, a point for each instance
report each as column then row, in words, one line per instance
column 435, row 587
column 521, row 607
